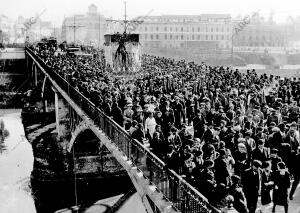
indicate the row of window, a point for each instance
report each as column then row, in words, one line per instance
column 262, row 44
column 186, row 29
column 182, row 37
column 181, row 45
column 176, row 20
column 262, row 38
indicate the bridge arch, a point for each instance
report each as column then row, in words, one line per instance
column 84, row 139
column 46, row 88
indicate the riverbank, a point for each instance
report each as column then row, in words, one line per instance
column 16, row 164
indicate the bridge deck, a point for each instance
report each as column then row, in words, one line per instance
column 166, row 189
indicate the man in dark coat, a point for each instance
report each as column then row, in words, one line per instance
column 190, row 113
column 168, row 117
column 282, row 183
column 117, row 113
column 240, row 203
column 261, row 153
column 296, row 173
column 199, row 125
column 251, row 185
column 222, row 174
column 178, row 113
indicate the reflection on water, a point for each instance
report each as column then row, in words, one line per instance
column 16, row 164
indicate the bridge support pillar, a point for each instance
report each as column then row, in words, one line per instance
column 27, row 62
column 45, row 107
column 32, row 70
column 35, row 75
column 56, row 111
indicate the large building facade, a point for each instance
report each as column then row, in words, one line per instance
column 88, row 29
column 260, row 33
column 201, row 32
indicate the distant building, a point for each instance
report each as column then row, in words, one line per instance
column 6, row 28
column 34, row 28
column 199, row 32
column 88, row 29
column 260, row 33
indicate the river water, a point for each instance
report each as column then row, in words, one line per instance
column 16, row 164
column 20, row 192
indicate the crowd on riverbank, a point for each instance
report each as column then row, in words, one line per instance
column 225, row 132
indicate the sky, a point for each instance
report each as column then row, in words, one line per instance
column 56, row 10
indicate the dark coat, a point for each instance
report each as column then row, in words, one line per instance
column 281, row 185
column 221, row 171
column 251, row 183
column 240, row 203
column 199, row 127
column 262, row 156
column 265, row 188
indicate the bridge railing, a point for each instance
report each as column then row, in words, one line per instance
column 184, row 197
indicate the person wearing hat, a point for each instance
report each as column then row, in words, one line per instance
column 251, row 185
column 222, row 174
column 221, row 116
column 190, row 112
column 274, row 117
column 261, row 153
column 150, row 125
column 274, row 158
column 266, row 185
column 116, row 113
column 276, row 138
column 207, row 184
column 199, row 124
column 296, row 173
column 179, row 114
column 168, row 118
column 282, row 183
column 240, row 202
column 188, row 165
column 209, row 134
column 128, row 113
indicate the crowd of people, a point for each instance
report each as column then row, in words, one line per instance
column 226, row 132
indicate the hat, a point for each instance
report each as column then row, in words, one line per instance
column 261, row 142
column 222, row 152
column 241, row 140
column 293, row 124
column 205, row 99
column 188, row 156
column 257, row 163
column 281, row 165
column 275, row 129
column 223, row 121
column 281, row 125
column 208, row 164
column 266, row 164
column 275, row 151
column 235, row 178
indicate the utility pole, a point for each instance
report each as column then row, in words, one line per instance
column 126, row 22
column 232, row 47
column 125, row 18
column 74, row 27
column 99, row 30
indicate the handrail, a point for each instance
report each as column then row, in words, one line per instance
column 184, row 196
